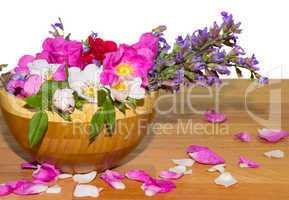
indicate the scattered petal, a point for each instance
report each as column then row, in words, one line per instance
column 138, row 175
column 86, row 191
column 180, row 169
column 157, row 186
column 113, row 179
column 243, row 136
column 187, row 162
column 190, row 171
column 220, row 168
column 170, row 175
column 84, row 178
column 275, row 154
column 29, row 165
column 64, row 176
column 5, row 190
column 54, row 189
column 45, row 173
column 226, row 179
column 214, row 117
column 246, row 163
column 30, row 188
column 207, row 157
column 195, row 148
column 272, row 135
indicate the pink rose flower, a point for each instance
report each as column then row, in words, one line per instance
column 130, row 61
column 61, row 51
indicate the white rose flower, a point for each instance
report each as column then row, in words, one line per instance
column 128, row 88
column 63, row 100
column 86, row 82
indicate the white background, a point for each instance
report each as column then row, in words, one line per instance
column 25, row 23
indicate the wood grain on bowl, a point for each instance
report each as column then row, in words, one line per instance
column 66, row 144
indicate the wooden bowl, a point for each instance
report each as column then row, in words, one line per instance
column 66, row 144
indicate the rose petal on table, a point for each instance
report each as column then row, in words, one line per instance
column 207, row 157
column 29, row 165
column 226, row 179
column 195, row 148
column 275, row 154
column 54, row 189
column 5, row 190
column 180, row 169
column 272, row 135
column 243, row 136
column 214, row 117
column 30, row 188
column 246, row 163
column 45, row 173
column 64, row 176
column 84, row 190
column 187, row 162
column 219, row 168
column 113, row 178
column 138, row 175
column 17, row 183
column 155, row 186
column 166, row 174
column 84, row 178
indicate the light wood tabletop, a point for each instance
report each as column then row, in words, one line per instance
column 248, row 107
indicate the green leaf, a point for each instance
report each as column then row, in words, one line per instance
column 64, row 115
column 37, row 127
column 101, row 97
column 79, row 102
column 37, row 101
column 96, row 124
column 109, row 111
column 121, row 106
column 132, row 103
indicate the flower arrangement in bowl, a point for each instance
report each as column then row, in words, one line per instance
column 84, row 105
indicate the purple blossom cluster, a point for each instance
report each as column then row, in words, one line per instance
column 201, row 57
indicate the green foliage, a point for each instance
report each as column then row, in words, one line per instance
column 37, row 127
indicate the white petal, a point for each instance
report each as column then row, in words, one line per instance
column 178, row 169
column 74, row 74
column 84, row 178
column 86, row 191
column 150, row 193
column 226, row 179
column 220, row 168
column 64, row 176
column 243, row 165
column 91, row 73
column 118, row 185
column 187, row 162
column 275, row 154
column 54, row 189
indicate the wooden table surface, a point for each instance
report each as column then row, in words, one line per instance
column 174, row 130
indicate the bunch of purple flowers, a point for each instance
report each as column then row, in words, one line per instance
column 200, row 58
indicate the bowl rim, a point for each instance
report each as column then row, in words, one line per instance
column 15, row 105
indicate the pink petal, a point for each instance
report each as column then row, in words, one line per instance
column 195, row 148
column 5, row 190
column 272, row 135
column 214, row 117
column 30, row 188
column 32, row 85
column 138, row 175
column 29, row 165
column 60, row 74
column 207, row 157
column 45, row 173
column 113, row 179
column 155, row 186
column 243, row 136
column 170, row 175
column 247, row 163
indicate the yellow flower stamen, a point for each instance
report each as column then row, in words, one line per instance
column 124, row 70
column 90, row 91
column 120, row 87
